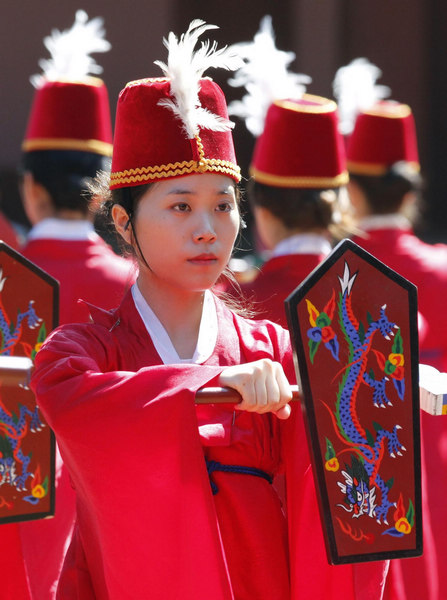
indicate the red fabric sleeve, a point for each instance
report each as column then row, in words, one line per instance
column 131, row 444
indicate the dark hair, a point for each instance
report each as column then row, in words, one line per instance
column 303, row 208
column 385, row 193
column 127, row 197
column 65, row 174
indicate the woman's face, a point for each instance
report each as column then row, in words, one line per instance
column 186, row 229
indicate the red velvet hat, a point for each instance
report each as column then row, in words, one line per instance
column 178, row 124
column 382, row 135
column 300, row 146
column 70, row 115
column 151, row 143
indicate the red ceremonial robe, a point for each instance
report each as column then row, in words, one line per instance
column 85, row 268
column 148, row 524
column 424, row 265
column 277, row 278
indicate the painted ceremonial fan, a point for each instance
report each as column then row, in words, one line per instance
column 28, row 312
column 353, row 323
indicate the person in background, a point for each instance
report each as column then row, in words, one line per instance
column 298, row 172
column 384, row 188
column 298, row 197
column 67, row 140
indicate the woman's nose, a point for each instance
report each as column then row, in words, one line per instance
column 204, row 231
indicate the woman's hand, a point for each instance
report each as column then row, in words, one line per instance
column 262, row 385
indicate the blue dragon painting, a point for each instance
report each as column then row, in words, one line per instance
column 364, row 491
column 14, row 462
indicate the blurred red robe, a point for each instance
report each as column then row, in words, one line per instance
column 425, row 265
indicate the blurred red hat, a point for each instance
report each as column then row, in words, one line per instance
column 382, row 135
column 300, row 146
column 379, row 132
column 69, row 115
column 70, row 109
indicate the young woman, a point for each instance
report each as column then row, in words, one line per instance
column 173, row 500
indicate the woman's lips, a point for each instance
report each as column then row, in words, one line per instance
column 203, row 259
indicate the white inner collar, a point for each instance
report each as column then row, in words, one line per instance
column 302, row 243
column 206, row 341
column 63, row 229
column 391, row 221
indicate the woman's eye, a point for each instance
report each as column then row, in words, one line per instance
column 181, row 207
column 224, row 207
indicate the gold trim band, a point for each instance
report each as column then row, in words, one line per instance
column 154, row 80
column 140, row 175
column 95, row 146
column 87, row 80
column 374, row 169
column 300, row 182
column 136, row 82
column 389, row 110
column 321, row 105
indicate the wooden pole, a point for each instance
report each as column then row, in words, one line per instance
column 15, row 370
column 224, row 395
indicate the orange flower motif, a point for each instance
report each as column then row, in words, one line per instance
column 403, row 525
column 396, row 359
column 38, row 491
column 332, row 464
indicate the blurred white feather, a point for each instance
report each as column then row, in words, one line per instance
column 185, row 67
column 265, row 77
column 70, row 51
column 355, row 90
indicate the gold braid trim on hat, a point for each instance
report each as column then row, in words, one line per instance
column 374, row 169
column 203, row 165
column 144, row 174
column 87, row 80
column 319, row 105
column 95, row 146
column 389, row 110
column 300, row 182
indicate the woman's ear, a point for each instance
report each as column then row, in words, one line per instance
column 269, row 228
column 121, row 220
column 410, row 206
column 358, row 200
column 36, row 199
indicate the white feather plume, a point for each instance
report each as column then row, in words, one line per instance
column 265, row 77
column 70, row 51
column 355, row 90
column 185, row 67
